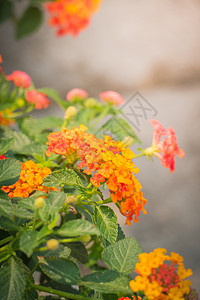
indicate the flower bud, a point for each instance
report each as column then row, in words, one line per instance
column 90, row 103
column 21, row 102
column 52, row 244
column 39, row 202
column 86, row 238
column 70, row 112
column 71, row 199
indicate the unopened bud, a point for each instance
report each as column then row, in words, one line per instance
column 39, row 202
column 70, row 112
column 86, row 238
column 52, row 244
column 90, row 103
column 71, row 199
column 21, row 102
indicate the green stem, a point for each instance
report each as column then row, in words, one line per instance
column 41, row 249
column 20, row 113
column 139, row 155
column 35, row 219
column 109, row 200
column 59, row 293
column 102, row 115
column 34, row 269
column 78, row 239
column 6, row 240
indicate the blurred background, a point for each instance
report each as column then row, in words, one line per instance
column 148, row 46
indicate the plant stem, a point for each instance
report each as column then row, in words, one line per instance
column 139, row 155
column 71, row 240
column 35, row 219
column 109, row 200
column 59, row 293
column 102, row 115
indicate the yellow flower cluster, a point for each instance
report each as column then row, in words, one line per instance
column 161, row 276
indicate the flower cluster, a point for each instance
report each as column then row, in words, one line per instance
column 38, row 99
column 30, row 180
column 164, row 149
column 159, row 279
column 4, row 117
column 132, row 298
column 108, row 161
column 20, row 79
column 71, row 16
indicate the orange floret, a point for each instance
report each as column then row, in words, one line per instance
column 30, row 180
column 107, row 161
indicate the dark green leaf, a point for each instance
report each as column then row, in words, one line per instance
column 60, row 270
column 60, row 252
column 5, row 10
column 78, row 252
column 106, row 220
column 123, row 255
column 78, row 228
column 12, row 280
column 29, row 22
column 8, row 224
column 9, row 171
column 57, row 178
column 107, row 282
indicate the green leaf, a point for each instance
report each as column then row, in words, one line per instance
column 107, row 282
column 5, row 145
column 12, row 280
column 30, row 294
column 8, row 225
column 60, row 270
column 9, row 171
column 78, row 228
column 21, row 139
column 123, row 255
column 57, row 178
column 32, row 149
column 60, row 252
column 106, row 220
column 53, row 203
column 78, row 252
column 29, row 22
column 4, row 86
column 5, row 10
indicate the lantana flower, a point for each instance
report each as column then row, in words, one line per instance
column 71, row 16
column 161, row 276
column 30, row 180
column 107, row 161
column 112, row 97
column 20, row 79
column 4, row 117
column 38, row 99
column 76, row 94
column 132, row 298
column 165, row 149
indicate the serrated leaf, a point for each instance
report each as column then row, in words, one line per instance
column 32, row 149
column 60, row 270
column 12, row 280
column 5, row 144
column 8, row 225
column 29, row 22
column 78, row 228
column 78, row 252
column 9, row 171
column 123, row 255
column 53, row 203
column 107, row 282
column 106, row 220
column 57, row 178
column 20, row 138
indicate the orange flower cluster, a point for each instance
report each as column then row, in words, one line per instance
column 132, row 298
column 108, row 161
column 161, row 280
column 30, row 180
column 71, row 16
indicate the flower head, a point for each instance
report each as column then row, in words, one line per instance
column 167, row 148
column 76, row 94
column 112, row 97
column 107, row 161
column 132, row 298
column 71, row 16
column 4, row 117
column 20, row 79
column 161, row 276
column 30, row 180
column 38, row 99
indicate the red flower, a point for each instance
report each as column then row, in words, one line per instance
column 76, row 94
column 39, row 99
column 20, row 79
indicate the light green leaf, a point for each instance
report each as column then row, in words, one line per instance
column 106, row 220
column 5, row 144
column 29, row 22
column 12, row 280
column 9, row 171
column 21, row 139
column 60, row 270
column 107, row 282
column 32, row 149
column 123, row 255
column 57, row 178
column 78, row 228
